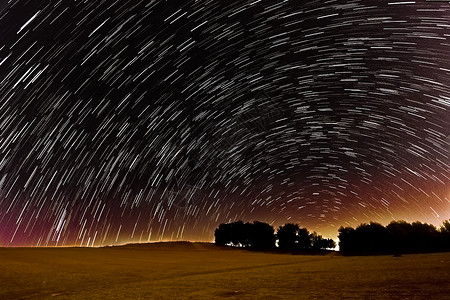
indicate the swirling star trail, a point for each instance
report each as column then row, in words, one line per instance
column 136, row 121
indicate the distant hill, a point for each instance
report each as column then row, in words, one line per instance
column 172, row 246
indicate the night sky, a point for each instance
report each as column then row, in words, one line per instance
column 137, row 121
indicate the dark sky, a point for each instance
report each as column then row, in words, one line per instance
column 136, row 121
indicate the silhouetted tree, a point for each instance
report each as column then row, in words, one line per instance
column 287, row 236
column 330, row 244
column 239, row 233
column 319, row 243
column 293, row 238
column 261, row 235
column 347, row 240
column 372, row 238
column 304, row 241
column 425, row 237
column 235, row 233
column 397, row 237
column 400, row 236
column 222, row 234
column 256, row 235
column 444, row 232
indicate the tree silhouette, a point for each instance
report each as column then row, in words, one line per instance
column 293, row 238
column 372, row 238
column 400, row 236
column 287, row 236
column 425, row 237
column 261, row 235
column 319, row 243
column 397, row 237
column 304, row 240
column 255, row 235
column 222, row 234
column 444, row 231
column 347, row 240
column 231, row 234
column 239, row 232
column 329, row 244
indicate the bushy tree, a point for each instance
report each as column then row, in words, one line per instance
column 372, row 238
column 347, row 240
column 397, row 237
column 425, row 237
column 293, row 238
column 287, row 236
column 304, row 240
column 240, row 233
column 235, row 234
column 329, row 244
column 261, row 235
column 444, row 232
column 320, row 243
column 255, row 235
column 222, row 234
column 400, row 236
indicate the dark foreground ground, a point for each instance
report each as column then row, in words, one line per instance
column 205, row 271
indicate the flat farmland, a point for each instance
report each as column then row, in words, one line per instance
column 205, row 271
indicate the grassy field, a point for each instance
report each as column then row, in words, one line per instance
column 205, row 271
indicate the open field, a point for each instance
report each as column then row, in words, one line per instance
column 205, row 271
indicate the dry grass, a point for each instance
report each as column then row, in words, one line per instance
column 204, row 271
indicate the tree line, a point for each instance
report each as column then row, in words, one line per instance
column 366, row 239
column 396, row 238
column 262, row 236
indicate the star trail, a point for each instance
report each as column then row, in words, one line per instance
column 137, row 121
